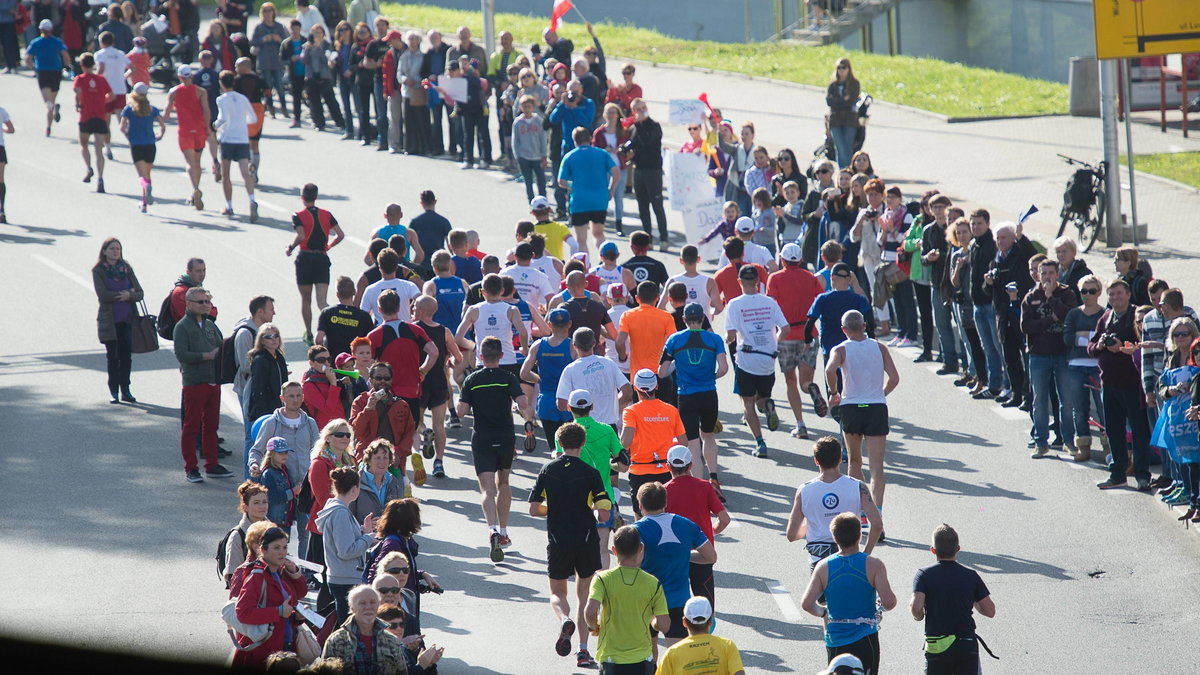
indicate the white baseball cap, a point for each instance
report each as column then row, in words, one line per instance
column 791, row 253
column 744, row 224
column 645, row 379
column 697, row 609
column 843, row 663
column 679, row 456
column 580, row 398
column 539, row 203
column 141, row 88
column 45, row 24
column 184, row 70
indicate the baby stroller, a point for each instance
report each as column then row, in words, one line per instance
column 166, row 52
column 828, row 150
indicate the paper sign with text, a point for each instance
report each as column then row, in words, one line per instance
column 688, row 181
column 686, row 111
column 698, row 219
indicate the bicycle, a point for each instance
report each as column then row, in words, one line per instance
column 1084, row 202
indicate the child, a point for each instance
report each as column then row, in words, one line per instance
column 281, row 494
column 529, row 145
column 831, row 254
column 724, row 229
column 139, row 62
column 789, row 216
column 764, row 219
column 466, row 266
column 610, row 273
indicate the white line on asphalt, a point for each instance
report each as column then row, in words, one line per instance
column 274, row 207
column 784, row 600
column 65, row 272
column 357, row 241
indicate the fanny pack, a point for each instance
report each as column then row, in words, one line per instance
column 821, row 549
column 937, row 644
column 751, row 350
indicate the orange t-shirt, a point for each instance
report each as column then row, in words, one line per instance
column 655, row 426
column 648, row 329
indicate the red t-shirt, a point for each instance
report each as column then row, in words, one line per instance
column 727, row 280
column 694, row 499
column 92, row 90
column 476, row 253
column 402, row 350
column 794, row 288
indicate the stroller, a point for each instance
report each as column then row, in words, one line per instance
column 166, row 52
column 827, row 149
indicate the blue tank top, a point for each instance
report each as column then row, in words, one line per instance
column 450, row 299
column 550, row 364
column 527, row 318
column 849, row 595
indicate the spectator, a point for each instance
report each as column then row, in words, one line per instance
column 1043, row 311
column 786, row 169
column 646, row 145
column 380, row 414
column 300, row 432
column 610, row 136
column 252, row 504
column 1009, row 280
column 318, row 77
column 935, row 252
column 363, row 638
column 118, row 291
column 1125, row 260
column 218, row 43
column 197, row 341
column 959, row 237
column 265, row 42
column 842, row 98
column 346, row 44
column 980, row 255
column 252, row 544
column 272, row 589
column 282, row 491
column 268, row 372
column 623, row 94
column 416, row 115
column 741, row 157
column 1072, row 268
column 122, row 35
column 1083, row 372
column 378, row 485
column 343, row 539
column 322, row 393
column 398, row 549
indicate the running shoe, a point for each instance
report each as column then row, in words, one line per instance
column 57, row 114
column 716, row 486
column 88, row 177
column 505, row 541
column 427, row 443
column 228, row 212
column 198, row 199
column 418, row 470
column 47, row 132
column 584, row 660
column 497, row 555
column 218, row 471
column 193, row 476
column 108, row 153
column 800, row 432
column 307, row 338
column 142, row 207
column 530, row 438
column 150, row 193
column 100, row 185
column 905, row 342
column 216, row 171
column 455, row 423
column 254, row 212
column 562, row 646
column 772, row 415
column 819, row 405
column 761, row 450
column 439, row 470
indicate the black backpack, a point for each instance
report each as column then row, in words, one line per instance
column 227, row 357
column 221, row 551
column 166, row 322
column 1079, row 191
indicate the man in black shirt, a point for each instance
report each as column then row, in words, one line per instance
column 587, row 312
column 339, row 324
column 677, row 297
column 566, row 492
column 943, row 595
column 489, row 265
column 491, row 391
column 641, row 266
column 376, row 50
column 646, row 144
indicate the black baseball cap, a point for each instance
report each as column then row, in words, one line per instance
column 693, row 312
column 842, row 270
column 748, row 273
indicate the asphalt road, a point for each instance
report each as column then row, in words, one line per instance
column 106, row 546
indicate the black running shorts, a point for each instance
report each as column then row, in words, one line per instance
column 699, row 413
column 95, row 125
column 49, row 79
column 754, row 386
column 864, row 419
column 144, row 153
column 434, row 391
column 493, row 452
column 582, row 560
column 312, row 267
column 585, row 217
column 677, row 629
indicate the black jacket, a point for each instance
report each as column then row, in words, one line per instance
column 267, row 376
column 1071, row 275
column 1012, row 268
column 646, row 141
column 980, row 254
column 933, row 238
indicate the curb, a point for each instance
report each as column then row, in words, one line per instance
column 1162, row 179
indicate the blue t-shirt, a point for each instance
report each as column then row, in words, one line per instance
column 468, row 269
column 47, row 53
column 588, row 169
column 669, row 540
column 695, row 355
column 829, row 308
column 141, row 129
column 386, row 232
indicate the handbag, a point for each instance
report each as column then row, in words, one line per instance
column 418, row 96
column 143, row 331
column 257, row 633
column 893, row 274
column 307, row 646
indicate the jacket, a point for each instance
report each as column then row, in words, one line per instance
column 365, row 423
column 1042, row 319
column 243, row 342
column 179, row 298
column 979, row 260
column 1117, row 369
column 1071, row 274
column 600, row 140
column 267, row 53
column 320, row 484
column 344, row 541
column 646, row 140
column 474, row 52
column 933, row 238
column 267, row 375
column 248, row 610
column 1010, row 268
column 737, row 167
column 192, row 340
column 842, row 111
column 106, row 327
column 300, row 442
column 316, row 66
column 391, row 62
column 371, row 500
column 322, row 400
column 389, row 651
column 568, row 118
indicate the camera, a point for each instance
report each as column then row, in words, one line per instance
column 626, row 147
column 572, row 97
column 424, row 587
column 872, row 213
column 1108, row 340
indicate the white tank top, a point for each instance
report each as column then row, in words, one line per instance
column 862, row 372
column 821, row 502
column 492, row 320
column 607, row 276
column 697, row 288
column 546, row 265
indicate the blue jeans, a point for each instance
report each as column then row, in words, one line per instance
column 272, row 81
column 341, row 601
column 531, row 171
column 1046, row 371
column 302, row 531
column 1084, row 400
column 906, row 310
column 619, row 200
column 985, row 323
column 381, row 114
column 843, row 141
column 348, row 91
column 1122, row 405
column 947, row 340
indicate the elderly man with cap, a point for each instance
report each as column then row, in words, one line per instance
column 758, row 254
column 800, row 287
column 600, row 377
column 700, row 651
column 698, row 501
column 649, row 428
column 759, row 322
column 549, row 356
column 603, row 452
column 195, row 121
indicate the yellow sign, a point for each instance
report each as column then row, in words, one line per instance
column 1133, row 28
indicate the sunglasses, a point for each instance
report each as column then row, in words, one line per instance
column 1089, row 291
column 821, row 171
column 340, row 434
column 397, row 570
column 382, row 378
column 321, row 359
column 1181, row 335
column 201, row 302
column 270, row 336
column 843, row 67
column 390, row 591
column 693, row 128
column 396, row 625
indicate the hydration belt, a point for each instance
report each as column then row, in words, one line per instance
column 751, row 350
column 936, row 644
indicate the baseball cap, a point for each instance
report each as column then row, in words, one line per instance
column 842, row 664
column 45, row 24
column 607, row 250
column 744, row 224
column 791, row 253
column 841, row 270
column 645, row 379
column 580, row 398
column 615, row 291
column 342, row 360
column 581, row 256
column 693, row 311
column 139, row 41
column 393, row 35
column 559, row 316
column 141, row 88
column 277, row 444
column 748, row 273
column 680, row 456
column 697, row 609
column 184, row 70
column 539, row 203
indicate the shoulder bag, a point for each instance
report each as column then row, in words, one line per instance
column 143, row 330
column 257, row 633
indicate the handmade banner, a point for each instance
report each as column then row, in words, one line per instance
column 688, row 181
column 698, row 220
column 686, row 111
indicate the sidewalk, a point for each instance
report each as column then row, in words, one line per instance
column 1000, row 165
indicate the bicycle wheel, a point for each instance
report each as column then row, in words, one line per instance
column 1090, row 225
column 1066, row 218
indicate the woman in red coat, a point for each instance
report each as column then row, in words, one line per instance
column 268, row 596
column 331, row 451
column 220, row 45
column 322, row 395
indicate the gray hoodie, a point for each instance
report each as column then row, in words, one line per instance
column 528, row 137
column 345, row 543
column 300, row 442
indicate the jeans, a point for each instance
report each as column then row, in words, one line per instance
column 969, row 333
column 1012, row 342
column 471, row 125
column 120, row 357
column 201, row 416
column 1190, row 475
column 1048, row 371
column 272, row 81
column 348, row 91
column 906, row 309
column 362, row 97
column 531, row 170
column 1124, row 405
column 8, row 40
column 456, row 136
column 297, row 86
column 947, row 340
column 985, row 323
column 1083, row 393
column 381, row 115
column 619, row 200
column 322, row 90
column 648, row 188
column 924, row 293
column 560, row 194
column 341, row 601
column 843, row 141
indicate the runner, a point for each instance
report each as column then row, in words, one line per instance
column 587, row 311
column 137, row 123
column 557, row 235
column 760, row 322
column 701, row 652
column 642, row 332
column 392, row 226
column 819, row 500
column 194, row 120
column 642, row 267
column 339, row 324
column 649, row 428
column 600, row 377
column 389, row 265
column 608, row 271
column 943, row 597
column 235, row 116
column 312, row 226
column 400, row 344
column 700, row 287
column 530, row 282
column 757, row 254
column 863, row 363
column 566, row 492
column 112, row 63
column 855, row 586
column 549, row 355
column 624, row 605
column 435, row 388
column 795, row 288
column 726, row 278
column 697, row 501
column 92, row 97
column 49, row 58
column 603, row 451
column 6, row 127
column 697, row 358
column 494, row 318
column 249, row 84
column 829, row 307
column 591, row 175
column 617, row 299
column 491, row 391
column 207, row 77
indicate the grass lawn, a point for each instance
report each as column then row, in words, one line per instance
column 1178, row 166
column 938, row 86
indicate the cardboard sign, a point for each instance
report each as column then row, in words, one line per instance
column 698, row 219
column 686, row 111
column 688, row 181
column 455, row 86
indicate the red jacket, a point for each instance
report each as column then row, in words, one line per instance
column 389, row 73
column 226, row 51
column 321, row 485
column 322, row 400
column 179, row 300
column 248, row 611
column 601, row 141
column 365, row 422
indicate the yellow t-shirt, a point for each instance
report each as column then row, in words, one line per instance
column 701, row 655
column 555, row 234
column 629, row 598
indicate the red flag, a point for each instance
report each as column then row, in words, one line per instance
column 561, row 7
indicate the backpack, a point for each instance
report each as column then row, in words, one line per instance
column 1079, row 191
column 166, row 321
column 221, row 551
column 227, row 365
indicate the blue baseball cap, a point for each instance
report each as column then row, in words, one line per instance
column 693, row 312
column 277, row 444
column 559, row 316
column 609, row 249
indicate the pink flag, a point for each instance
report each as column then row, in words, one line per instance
column 561, row 7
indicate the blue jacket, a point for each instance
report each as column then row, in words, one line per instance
column 581, row 115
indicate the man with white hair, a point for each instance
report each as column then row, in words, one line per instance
column 1009, row 280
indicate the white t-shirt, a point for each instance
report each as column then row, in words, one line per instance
column 755, row 253
column 406, row 289
column 234, row 117
column 601, row 378
column 607, row 276
column 610, row 345
column 530, row 282
column 821, row 502
column 759, row 321
column 4, row 119
column 492, row 320
column 113, row 62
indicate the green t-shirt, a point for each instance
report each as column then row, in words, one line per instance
column 629, row 598
column 601, row 446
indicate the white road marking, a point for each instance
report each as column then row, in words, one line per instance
column 274, row 207
column 357, row 241
column 784, row 599
column 65, row 272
